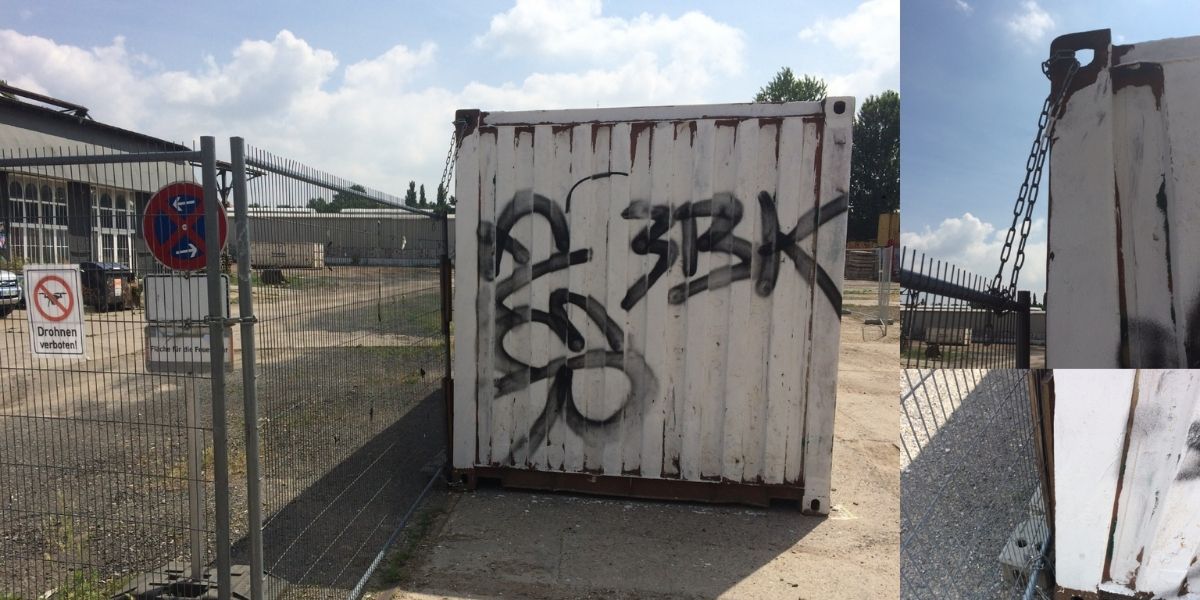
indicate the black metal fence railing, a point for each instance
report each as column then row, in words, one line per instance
column 950, row 319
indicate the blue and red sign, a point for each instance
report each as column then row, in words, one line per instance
column 173, row 226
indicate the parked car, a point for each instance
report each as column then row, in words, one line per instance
column 106, row 286
column 11, row 294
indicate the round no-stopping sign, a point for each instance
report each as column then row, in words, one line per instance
column 173, row 226
column 53, row 298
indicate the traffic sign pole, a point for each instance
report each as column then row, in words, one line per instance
column 213, row 241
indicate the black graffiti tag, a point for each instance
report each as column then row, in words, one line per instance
column 726, row 212
column 494, row 243
column 1191, row 468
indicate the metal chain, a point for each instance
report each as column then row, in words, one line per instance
column 451, row 158
column 1027, row 197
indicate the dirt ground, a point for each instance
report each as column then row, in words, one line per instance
column 496, row 543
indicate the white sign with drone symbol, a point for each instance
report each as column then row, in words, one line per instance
column 54, row 302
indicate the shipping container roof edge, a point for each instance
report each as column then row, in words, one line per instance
column 837, row 104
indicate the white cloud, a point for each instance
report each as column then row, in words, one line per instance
column 644, row 57
column 964, row 7
column 367, row 121
column 871, row 34
column 1031, row 24
column 974, row 245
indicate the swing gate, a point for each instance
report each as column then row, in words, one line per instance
column 272, row 411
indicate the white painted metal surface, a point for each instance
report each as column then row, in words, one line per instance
column 1127, row 481
column 1123, row 283
column 637, row 294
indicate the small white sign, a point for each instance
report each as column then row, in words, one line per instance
column 55, row 306
column 182, row 349
column 180, row 298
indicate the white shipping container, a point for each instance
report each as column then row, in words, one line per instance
column 1127, row 483
column 648, row 299
column 1123, row 282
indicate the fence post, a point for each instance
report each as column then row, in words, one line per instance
column 1023, row 330
column 237, row 156
column 447, row 312
column 216, row 357
column 885, row 283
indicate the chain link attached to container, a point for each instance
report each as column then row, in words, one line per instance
column 1027, row 197
column 451, row 158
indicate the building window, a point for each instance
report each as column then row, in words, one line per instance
column 38, row 234
column 113, row 216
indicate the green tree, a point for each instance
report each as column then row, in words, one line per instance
column 321, row 205
column 343, row 200
column 786, row 88
column 444, row 203
column 422, row 202
column 410, row 197
column 875, row 166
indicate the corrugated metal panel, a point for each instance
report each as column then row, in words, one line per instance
column 1123, row 287
column 143, row 177
column 1127, row 482
column 655, row 294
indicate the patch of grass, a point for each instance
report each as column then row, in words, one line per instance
column 86, row 585
column 416, row 532
column 298, row 281
column 178, row 477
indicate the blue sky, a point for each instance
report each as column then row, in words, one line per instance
column 972, row 88
column 368, row 92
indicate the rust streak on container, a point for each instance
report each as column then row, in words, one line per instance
column 1112, row 528
column 635, row 130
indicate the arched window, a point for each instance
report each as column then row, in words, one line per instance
column 30, row 192
column 46, row 197
column 14, row 190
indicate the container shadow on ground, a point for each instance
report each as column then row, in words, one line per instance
column 966, row 491
column 559, row 545
column 327, row 536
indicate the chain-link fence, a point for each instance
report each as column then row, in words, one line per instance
column 974, row 523
column 350, row 358
column 106, row 466
column 950, row 318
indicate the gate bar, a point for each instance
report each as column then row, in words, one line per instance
column 104, row 159
column 216, row 343
column 237, row 155
column 265, row 166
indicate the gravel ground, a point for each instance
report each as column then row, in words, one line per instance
column 967, row 476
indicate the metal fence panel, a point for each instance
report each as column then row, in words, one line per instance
column 950, row 319
column 350, row 360
column 973, row 520
column 654, row 295
column 106, row 467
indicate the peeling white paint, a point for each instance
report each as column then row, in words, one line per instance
column 1123, row 285
column 1127, row 493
